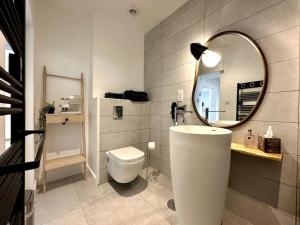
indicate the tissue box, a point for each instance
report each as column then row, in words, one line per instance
column 269, row 145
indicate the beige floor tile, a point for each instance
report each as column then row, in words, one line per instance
column 75, row 217
column 116, row 209
column 157, row 194
column 231, row 219
column 88, row 191
column 55, row 203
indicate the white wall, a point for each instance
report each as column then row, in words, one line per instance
column 62, row 44
column 118, row 56
column 29, row 93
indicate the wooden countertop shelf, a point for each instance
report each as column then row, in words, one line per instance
column 64, row 118
column 255, row 152
column 65, row 161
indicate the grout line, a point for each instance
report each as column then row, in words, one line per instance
column 297, row 159
column 280, row 61
column 151, row 60
column 288, row 91
column 213, row 11
column 274, row 121
column 277, row 32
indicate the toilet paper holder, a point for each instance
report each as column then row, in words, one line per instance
column 152, row 177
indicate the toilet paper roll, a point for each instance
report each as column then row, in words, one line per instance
column 151, row 145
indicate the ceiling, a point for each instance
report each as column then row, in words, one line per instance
column 151, row 11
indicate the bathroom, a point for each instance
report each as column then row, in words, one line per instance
column 79, row 51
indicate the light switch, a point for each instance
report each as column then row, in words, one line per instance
column 180, row 93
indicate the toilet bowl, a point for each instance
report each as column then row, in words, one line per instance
column 124, row 164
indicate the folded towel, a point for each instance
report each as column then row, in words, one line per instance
column 113, row 95
column 137, row 96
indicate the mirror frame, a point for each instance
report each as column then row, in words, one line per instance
column 264, row 88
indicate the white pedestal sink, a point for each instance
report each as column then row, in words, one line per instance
column 200, row 161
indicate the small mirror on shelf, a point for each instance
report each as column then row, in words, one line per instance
column 230, row 81
column 71, row 104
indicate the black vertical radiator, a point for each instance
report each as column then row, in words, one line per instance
column 12, row 87
column 247, row 96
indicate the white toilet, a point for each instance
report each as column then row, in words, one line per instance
column 124, row 164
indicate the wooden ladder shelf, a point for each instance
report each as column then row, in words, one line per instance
column 64, row 118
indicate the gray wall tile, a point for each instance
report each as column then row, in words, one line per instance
column 289, row 70
column 272, row 45
column 255, row 212
column 183, row 20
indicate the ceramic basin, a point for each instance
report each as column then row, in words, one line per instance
column 200, row 162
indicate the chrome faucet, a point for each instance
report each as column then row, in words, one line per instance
column 178, row 111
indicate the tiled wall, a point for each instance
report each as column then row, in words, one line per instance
column 132, row 130
column 262, row 192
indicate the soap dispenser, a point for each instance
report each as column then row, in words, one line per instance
column 250, row 141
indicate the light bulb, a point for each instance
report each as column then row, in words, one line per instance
column 210, row 58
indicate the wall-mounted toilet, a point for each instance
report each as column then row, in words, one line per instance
column 124, row 164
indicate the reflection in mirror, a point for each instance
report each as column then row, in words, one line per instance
column 231, row 80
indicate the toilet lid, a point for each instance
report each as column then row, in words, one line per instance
column 127, row 154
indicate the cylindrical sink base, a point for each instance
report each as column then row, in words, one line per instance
column 200, row 162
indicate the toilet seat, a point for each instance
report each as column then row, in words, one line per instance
column 127, row 155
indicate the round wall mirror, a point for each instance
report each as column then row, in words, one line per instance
column 230, row 79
